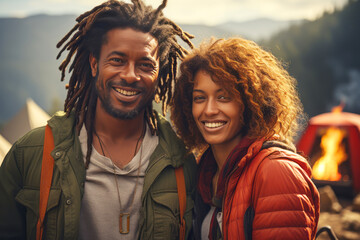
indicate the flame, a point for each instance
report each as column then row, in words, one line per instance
column 333, row 154
column 339, row 108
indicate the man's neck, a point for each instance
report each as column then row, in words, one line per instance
column 118, row 139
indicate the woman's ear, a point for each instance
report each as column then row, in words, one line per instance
column 93, row 64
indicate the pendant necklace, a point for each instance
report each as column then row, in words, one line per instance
column 124, row 216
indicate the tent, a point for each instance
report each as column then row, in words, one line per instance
column 4, row 148
column 29, row 117
column 348, row 121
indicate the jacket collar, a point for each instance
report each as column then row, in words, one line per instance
column 169, row 152
column 62, row 127
column 169, row 144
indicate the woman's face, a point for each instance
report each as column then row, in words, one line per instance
column 216, row 114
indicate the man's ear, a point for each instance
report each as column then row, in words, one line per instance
column 93, row 64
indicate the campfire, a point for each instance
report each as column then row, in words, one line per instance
column 333, row 153
column 332, row 143
column 326, row 167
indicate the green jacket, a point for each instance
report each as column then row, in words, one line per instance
column 20, row 178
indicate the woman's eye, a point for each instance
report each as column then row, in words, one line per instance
column 197, row 99
column 224, row 98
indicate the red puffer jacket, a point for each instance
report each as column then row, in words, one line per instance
column 277, row 183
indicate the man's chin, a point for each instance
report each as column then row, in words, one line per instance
column 125, row 112
column 124, row 115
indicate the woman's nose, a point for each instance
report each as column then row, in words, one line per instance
column 211, row 108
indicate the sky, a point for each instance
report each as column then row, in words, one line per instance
column 209, row 12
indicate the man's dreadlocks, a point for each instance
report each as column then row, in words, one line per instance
column 89, row 34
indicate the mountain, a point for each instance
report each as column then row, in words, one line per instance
column 29, row 69
column 258, row 29
column 28, row 66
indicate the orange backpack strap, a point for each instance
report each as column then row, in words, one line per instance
column 179, row 173
column 45, row 179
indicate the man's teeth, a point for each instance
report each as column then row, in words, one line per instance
column 214, row 124
column 125, row 92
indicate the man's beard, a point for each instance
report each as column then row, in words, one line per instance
column 118, row 113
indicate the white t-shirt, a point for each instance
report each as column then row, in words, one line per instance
column 100, row 208
column 205, row 226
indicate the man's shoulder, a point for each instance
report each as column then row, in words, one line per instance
column 164, row 127
column 35, row 137
column 173, row 144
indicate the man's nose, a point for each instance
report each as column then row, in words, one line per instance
column 129, row 73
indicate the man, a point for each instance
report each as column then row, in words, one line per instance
column 114, row 156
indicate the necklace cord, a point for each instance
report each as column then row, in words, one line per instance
column 103, row 147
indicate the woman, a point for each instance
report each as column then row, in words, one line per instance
column 238, row 108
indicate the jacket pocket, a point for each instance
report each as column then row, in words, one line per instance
column 30, row 199
column 166, row 215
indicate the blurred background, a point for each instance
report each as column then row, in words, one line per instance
column 318, row 40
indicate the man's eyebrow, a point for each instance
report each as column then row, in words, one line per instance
column 116, row 53
column 145, row 58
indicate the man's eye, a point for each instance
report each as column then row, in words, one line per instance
column 147, row 66
column 117, row 60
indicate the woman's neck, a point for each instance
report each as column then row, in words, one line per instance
column 221, row 151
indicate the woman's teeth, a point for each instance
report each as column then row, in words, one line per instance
column 214, row 124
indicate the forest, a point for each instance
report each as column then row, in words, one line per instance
column 323, row 55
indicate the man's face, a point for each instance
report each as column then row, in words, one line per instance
column 126, row 72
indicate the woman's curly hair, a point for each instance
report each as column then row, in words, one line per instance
column 253, row 77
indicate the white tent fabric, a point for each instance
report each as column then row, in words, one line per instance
column 4, row 148
column 29, row 117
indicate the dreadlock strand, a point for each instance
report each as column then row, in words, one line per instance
column 78, row 88
column 158, row 12
column 183, row 35
column 168, row 91
column 151, row 119
column 65, row 63
column 90, row 122
column 86, row 14
column 161, row 7
column 75, row 40
column 81, row 55
column 62, row 69
column 162, row 85
column 77, row 93
column 81, row 108
column 138, row 5
column 67, row 36
column 181, row 53
column 91, row 19
column 68, row 45
column 173, row 67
